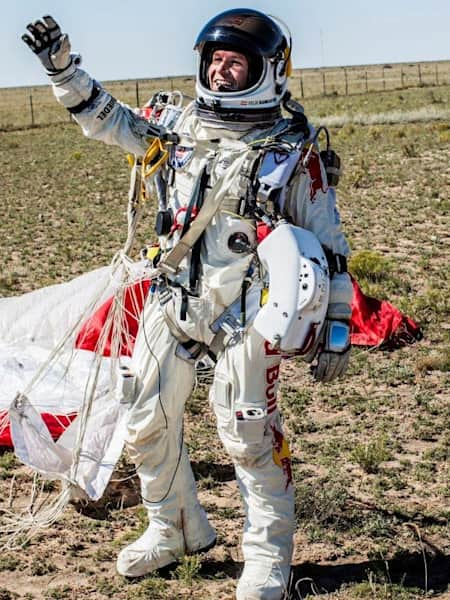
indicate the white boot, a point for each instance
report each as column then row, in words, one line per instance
column 164, row 542
column 178, row 526
column 263, row 581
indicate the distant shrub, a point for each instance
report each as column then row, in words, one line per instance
column 409, row 150
column 435, row 361
column 323, row 502
column 8, row 464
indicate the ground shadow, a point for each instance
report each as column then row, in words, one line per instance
column 411, row 570
column 425, row 572
column 217, row 569
column 219, row 472
column 120, row 493
column 123, row 490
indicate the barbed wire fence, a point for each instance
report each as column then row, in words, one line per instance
column 21, row 108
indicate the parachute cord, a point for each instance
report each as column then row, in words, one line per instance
column 17, row 528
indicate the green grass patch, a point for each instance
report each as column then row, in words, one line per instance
column 369, row 456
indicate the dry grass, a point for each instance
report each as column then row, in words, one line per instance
column 370, row 453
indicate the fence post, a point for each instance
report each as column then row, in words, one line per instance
column 420, row 74
column 324, row 84
column 32, row 110
column 137, row 93
column 346, row 81
column 367, row 83
column 384, row 79
column 436, row 73
column 403, row 78
column 302, row 93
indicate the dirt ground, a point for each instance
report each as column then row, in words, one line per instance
column 370, row 453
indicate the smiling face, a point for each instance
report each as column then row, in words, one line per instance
column 228, row 71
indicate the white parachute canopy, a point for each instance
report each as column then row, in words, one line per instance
column 49, row 386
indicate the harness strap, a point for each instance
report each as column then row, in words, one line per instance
column 184, row 304
column 196, row 198
column 227, row 325
column 337, row 263
column 213, row 200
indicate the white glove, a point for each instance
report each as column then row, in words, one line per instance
column 50, row 45
column 333, row 354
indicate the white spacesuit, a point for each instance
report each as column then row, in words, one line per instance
column 222, row 154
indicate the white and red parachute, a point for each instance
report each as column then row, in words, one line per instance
column 61, row 349
column 32, row 325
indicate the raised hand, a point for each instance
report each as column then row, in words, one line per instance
column 48, row 43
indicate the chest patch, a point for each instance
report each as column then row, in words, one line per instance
column 180, row 156
column 317, row 182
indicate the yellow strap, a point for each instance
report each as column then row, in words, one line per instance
column 151, row 252
column 264, row 296
column 287, row 58
column 154, row 158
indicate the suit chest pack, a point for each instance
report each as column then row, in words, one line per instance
column 258, row 192
column 269, row 176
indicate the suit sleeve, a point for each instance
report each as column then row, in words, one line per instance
column 311, row 204
column 100, row 115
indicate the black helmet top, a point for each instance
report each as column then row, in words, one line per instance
column 246, row 29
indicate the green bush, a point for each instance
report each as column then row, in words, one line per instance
column 370, row 265
column 370, row 456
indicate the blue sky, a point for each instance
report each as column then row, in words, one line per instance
column 121, row 40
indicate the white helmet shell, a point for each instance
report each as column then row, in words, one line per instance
column 299, row 288
column 258, row 37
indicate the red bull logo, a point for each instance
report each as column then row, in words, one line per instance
column 272, row 374
column 318, row 182
column 271, row 383
column 282, row 454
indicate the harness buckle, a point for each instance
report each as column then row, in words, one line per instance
column 230, row 326
column 164, row 292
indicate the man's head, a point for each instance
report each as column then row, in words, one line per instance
column 244, row 59
column 228, row 71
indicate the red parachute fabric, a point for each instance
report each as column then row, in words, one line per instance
column 378, row 323
column 374, row 322
column 133, row 303
column 56, row 425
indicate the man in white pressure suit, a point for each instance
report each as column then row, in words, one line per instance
column 226, row 168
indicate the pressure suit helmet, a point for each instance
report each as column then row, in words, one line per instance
column 267, row 50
